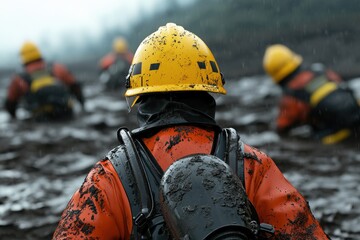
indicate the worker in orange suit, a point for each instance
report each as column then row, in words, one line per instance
column 47, row 90
column 313, row 96
column 115, row 65
column 180, row 175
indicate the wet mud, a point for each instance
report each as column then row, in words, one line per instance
column 41, row 165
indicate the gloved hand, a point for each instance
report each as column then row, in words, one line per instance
column 77, row 91
column 10, row 107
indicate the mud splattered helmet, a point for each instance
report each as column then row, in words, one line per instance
column 279, row 61
column 172, row 59
column 29, row 52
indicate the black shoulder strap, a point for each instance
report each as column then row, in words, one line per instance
column 304, row 94
column 234, row 149
column 130, row 169
column 27, row 77
column 50, row 68
column 128, row 163
column 300, row 94
column 234, row 157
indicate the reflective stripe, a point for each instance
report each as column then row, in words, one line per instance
column 322, row 92
column 41, row 82
column 316, row 83
column 336, row 137
column 44, row 109
column 49, row 108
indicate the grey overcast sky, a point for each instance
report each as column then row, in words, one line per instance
column 37, row 20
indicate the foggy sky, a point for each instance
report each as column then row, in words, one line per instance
column 47, row 22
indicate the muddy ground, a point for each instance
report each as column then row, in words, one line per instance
column 42, row 165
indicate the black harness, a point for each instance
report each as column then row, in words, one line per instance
column 29, row 77
column 140, row 176
column 333, row 106
column 310, row 88
column 46, row 92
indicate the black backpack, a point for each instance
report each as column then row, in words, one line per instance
column 45, row 90
column 329, row 103
column 140, row 177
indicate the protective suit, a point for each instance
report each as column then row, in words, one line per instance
column 115, row 65
column 47, row 90
column 316, row 97
column 170, row 79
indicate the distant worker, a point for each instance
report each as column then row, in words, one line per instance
column 46, row 89
column 180, row 175
column 316, row 96
column 114, row 66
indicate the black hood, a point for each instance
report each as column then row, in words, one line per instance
column 155, row 111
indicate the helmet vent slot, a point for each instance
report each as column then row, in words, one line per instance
column 201, row 65
column 137, row 69
column 154, row 66
column 213, row 66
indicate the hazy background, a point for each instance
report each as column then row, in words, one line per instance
column 70, row 30
column 42, row 165
column 237, row 31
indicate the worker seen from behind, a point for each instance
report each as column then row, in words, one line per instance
column 180, row 175
column 115, row 65
column 313, row 96
column 46, row 89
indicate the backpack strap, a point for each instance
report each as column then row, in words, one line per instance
column 231, row 149
column 133, row 165
column 26, row 77
column 234, row 156
column 130, row 169
column 304, row 94
column 300, row 94
column 30, row 77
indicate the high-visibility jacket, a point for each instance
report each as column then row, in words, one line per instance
column 100, row 209
column 318, row 100
column 20, row 87
column 111, row 58
column 292, row 110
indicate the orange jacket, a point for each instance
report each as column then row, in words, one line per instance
column 110, row 59
column 18, row 87
column 99, row 209
column 292, row 111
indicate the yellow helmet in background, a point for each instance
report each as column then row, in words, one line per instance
column 279, row 61
column 173, row 59
column 120, row 45
column 29, row 52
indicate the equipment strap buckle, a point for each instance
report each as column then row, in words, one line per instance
column 267, row 230
column 141, row 219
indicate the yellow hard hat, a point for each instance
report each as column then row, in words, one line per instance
column 173, row 59
column 120, row 45
column 279, row 61
column 29, row 52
